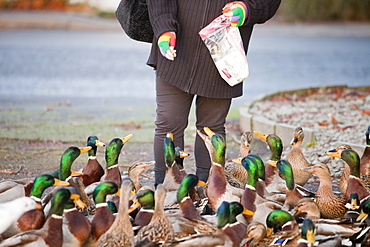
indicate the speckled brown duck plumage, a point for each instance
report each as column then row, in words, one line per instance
column 297, row 159
column 235, row 174
column 120, row 233
column 331, row 205
column 160, row 228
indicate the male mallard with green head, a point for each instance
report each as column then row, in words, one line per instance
column 93, row 171
column 51, row 234
column 34, row 219
column 112, row 153
column 217, row 188
column 356, row 182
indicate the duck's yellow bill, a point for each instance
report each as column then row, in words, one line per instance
column 76, row 174
column 260, row 135
column 84, row 149
column 99, row 143
column 58, row 182
column 127, row 138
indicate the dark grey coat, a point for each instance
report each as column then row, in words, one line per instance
column 193, row 70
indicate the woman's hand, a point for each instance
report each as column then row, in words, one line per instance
column 237, row 11
column 167, row 44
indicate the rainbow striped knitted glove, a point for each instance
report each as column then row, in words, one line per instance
column 237, row 11
column 167, row 44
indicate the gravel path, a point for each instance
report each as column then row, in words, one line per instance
column 339, row 115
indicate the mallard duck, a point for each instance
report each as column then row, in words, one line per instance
column 292, row 194
column 120, row 233
column 34, row 219
column 217, row 188
column 282, row 230
column 365, row 158
column 274, row 183
column 76, row 227
column 252, row 200
column 331, row 205
column 234, row 229
column 51, row 234
column 255, row 232
column 112, row 152
column 135, row 170
column 103, row 217
column 11, row 211
column 235, row 174
column 297, row 159
column 306, row 208
column 160, row 228
column 145, row 197
column 66, row 161
column 356, row 182
column 93, row 171
column 343, row 182
column 307, row 234
column 173, row 175
column 191, row 221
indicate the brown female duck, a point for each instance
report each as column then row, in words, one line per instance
column 297, row 159
column 235, row 174
column 331, row 205
column 120, row 233
column 160, row 228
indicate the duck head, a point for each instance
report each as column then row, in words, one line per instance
column 103, row 189
column 169, row 150
column 350, row 157
column 113, row 150
column 94, row 143
column 274, row 143
column 43, row 182
column 215, row 144
column 187, row 184
column 276, row 220
column 67, row 159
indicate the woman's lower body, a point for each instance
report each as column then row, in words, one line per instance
column 173, row 108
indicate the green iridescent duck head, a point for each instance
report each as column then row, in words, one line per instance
column 350, row 157
column 274, row 143
column 94, row 143
column 215, row 144
column 103, row 189
column 237, row 208
column 44, row 181
column 180, row 154
column 74, row 200
column 59, row 200
column 252, row 171
column 276, row 220
column 112, row 207
column 145, row 197
column 223, row 214
column 113, row 150
column 169, row 150
column 308, row 232
column 286, row 170
column 67, row 159
column 187, row 184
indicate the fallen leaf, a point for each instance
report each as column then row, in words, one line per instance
column 334, row 120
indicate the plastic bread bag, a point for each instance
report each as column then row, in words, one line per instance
column 226, row 47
